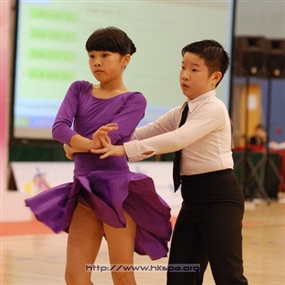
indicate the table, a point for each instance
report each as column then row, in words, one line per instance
column 259, row 172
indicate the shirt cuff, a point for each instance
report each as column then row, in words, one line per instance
column 134, row 152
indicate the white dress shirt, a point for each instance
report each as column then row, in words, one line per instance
column 205, row 138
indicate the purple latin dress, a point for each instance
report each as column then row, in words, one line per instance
column 106, row 185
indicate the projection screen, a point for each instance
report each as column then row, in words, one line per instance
column 50, row 52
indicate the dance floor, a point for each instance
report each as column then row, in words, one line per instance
column 32, row 255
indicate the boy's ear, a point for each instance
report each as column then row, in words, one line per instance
column 217, row 76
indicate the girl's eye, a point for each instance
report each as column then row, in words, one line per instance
column 105, row 54
column 194, row 70
column 182, row 67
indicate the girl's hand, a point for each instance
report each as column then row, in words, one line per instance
column 69, row 151
column 108, row 149
column 102, row 132
column 100, row 137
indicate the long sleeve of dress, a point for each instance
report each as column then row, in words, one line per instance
column 62, row 129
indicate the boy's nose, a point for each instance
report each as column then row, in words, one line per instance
column 185, row 76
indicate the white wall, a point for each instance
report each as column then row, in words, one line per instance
column 260, row 18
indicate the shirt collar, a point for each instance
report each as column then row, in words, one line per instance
column 192, row 104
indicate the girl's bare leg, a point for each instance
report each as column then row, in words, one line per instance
column 121, row 250
column 84, row 240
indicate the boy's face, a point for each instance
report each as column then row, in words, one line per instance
column 194, row 76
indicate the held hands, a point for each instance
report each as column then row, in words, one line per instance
column 106, row 148
column 79, row 144
column 100, row 144
column 101, row 133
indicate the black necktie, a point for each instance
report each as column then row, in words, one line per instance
column 177, row 157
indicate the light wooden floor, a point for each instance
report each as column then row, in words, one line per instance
column 40, row 259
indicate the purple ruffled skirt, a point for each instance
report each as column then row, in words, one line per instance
column 109, row 194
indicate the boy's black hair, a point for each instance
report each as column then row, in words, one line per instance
column 213, row 54
column 110, row 39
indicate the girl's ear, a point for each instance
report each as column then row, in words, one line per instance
column 126, row 60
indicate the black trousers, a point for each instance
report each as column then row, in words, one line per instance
column 208, row 229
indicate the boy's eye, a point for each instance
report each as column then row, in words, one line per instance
column 105, row 54
column 194, row 70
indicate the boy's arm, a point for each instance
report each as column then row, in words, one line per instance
column 106, row 147
column 192, row 131
column 164, row 124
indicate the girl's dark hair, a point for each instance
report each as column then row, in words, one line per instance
column 214, row 55
column 110, row 39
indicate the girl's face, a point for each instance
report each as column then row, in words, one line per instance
column 194, row 76
column 107, row 66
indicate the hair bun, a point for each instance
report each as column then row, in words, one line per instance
column 133, row 48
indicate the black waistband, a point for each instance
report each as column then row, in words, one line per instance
column 223, row 171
